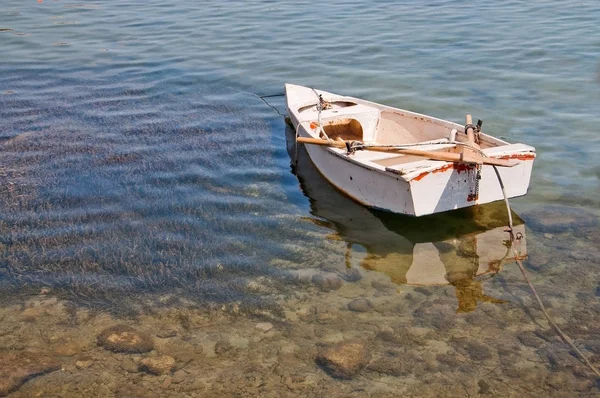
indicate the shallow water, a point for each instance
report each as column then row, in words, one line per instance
column 142, row 179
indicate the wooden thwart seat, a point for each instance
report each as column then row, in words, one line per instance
column 346, row 129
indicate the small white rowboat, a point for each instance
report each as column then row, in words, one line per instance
column 401, row 161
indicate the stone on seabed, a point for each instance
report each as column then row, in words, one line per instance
column 18, row 367
column 122, row 338
column 264, row 326
column 556, row 219
column 158, row 366
column 360, row 305
column 344, row 359
column 166, row 333
column 84, row 364
column 327, row 282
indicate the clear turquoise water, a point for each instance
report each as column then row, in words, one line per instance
column 136, row 157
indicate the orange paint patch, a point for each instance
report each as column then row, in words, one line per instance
column 519, row 156
column 421, row 176
column 460, row 167
column 313, row 125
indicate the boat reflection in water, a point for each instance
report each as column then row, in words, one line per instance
column 456, row 247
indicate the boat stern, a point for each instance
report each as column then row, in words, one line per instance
column 455, row 185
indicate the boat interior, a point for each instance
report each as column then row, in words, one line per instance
column 352, row 121
column 345, row 129
column 356, row 122
column 362, row 121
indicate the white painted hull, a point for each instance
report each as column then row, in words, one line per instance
column 377, row 190
column 416, row 187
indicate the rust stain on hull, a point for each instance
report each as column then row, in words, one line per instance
column 465, row 167
column 519, row 156
column 460, row 167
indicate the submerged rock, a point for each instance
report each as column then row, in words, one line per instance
column 476, row 351
column 352, row 275
column 484, row 386
column 555, row 219
column 423, row 290
column 327, row 282
column 392, row 363
column 264, row 326
column 84, row 364
column 345, row 359
column 123, row 338
column 360, row 305
column 158, row 366
column 69, row 349
column 437, row 314
column 529, row 339
column 167, row 333
column 449, row 359
column 223, row 346
column 179, row 376
column 402, row 335
column 18, row 367
column 129, row 366
column 383, row 287
column 32, row 314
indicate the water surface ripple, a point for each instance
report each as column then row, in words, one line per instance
column 137, row 162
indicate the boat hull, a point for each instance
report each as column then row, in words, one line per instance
column 413, row 187
column 385, row 192
column 447, row 188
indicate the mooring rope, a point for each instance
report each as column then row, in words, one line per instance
column 556, row 328
column 296, row 139
column 262, row 97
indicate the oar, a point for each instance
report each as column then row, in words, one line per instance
column 464, row 157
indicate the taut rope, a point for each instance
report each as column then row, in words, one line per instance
column 557, row 329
